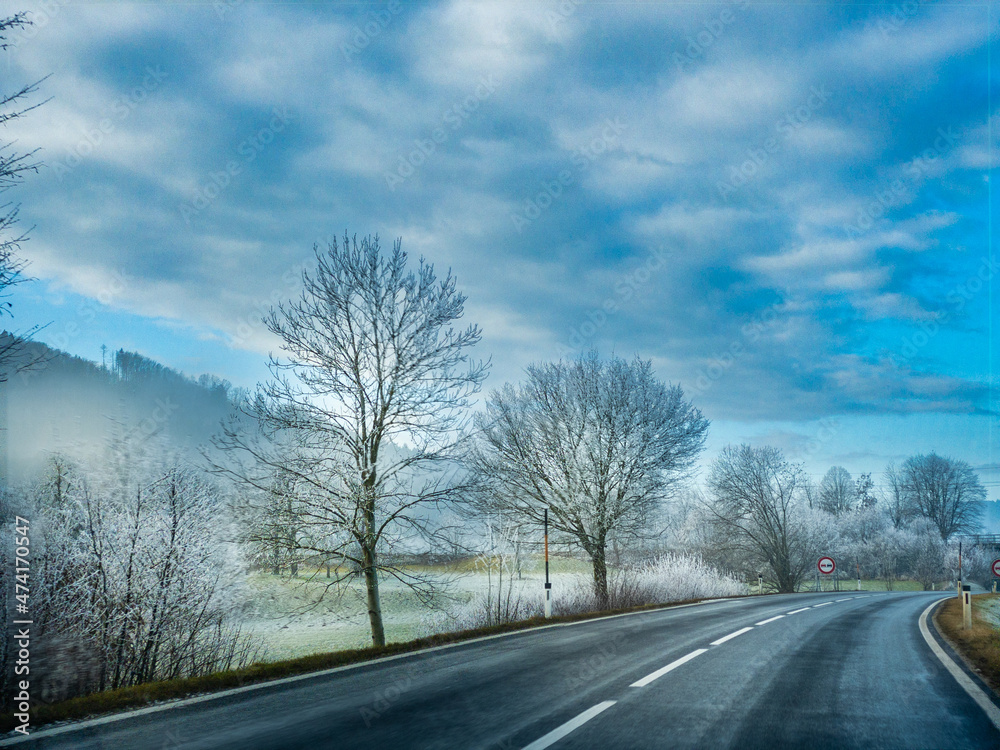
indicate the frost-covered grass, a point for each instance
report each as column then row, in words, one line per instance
column 470, row 597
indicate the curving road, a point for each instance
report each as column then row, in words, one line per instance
column 830, row 670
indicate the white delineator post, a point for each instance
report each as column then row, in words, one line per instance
column 966, row 607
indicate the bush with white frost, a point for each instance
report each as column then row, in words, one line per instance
column 668, row 577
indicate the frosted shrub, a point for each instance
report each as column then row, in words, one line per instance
column 673, row 577
column 669, row 577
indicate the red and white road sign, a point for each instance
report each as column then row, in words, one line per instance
column 826, row 565
column 996, row 568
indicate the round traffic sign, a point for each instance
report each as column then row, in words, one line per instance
column 996, row 568
column 826, row 565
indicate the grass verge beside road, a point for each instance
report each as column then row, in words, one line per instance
column 980, row 645
column 138, row 696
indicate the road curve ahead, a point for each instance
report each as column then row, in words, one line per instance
column 834, row 670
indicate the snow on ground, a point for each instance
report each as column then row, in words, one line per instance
column 295, row 618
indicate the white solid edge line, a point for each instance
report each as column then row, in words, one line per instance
column 770, row 619
column 663, row 670
column 796, row 611
column 821, row 605
column 206, row 697
column 561, row 731
column 970, row 687
column 725, row 638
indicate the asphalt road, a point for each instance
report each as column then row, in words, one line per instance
column 852, row 673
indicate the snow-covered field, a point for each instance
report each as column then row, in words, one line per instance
column 296, row 618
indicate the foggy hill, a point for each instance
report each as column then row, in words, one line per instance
column 67, row 404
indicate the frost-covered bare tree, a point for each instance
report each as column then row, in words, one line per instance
column 864, row 494
column 363, row 413
column 893, row 497
column 134, row 579
column 926, row 554
column 836, row 491
column 14, row 165
column 600, row 444
column 758, row 508
column 945, row 491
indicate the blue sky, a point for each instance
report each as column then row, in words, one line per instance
column 785, row 206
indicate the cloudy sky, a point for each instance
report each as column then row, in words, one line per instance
column 786, row 206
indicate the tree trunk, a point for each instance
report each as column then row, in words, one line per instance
column 374, row 603
column 600, row 577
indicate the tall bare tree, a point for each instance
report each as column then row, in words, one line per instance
column 945, row 491
column 894, row 500
column 362, row 416
column 600, row 444
column 758, row 508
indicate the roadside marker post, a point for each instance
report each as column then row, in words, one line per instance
column 966, row 607
column 960, row 569
column 548, row 584
column 760, row 584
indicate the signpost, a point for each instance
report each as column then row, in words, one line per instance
column 826, row 566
